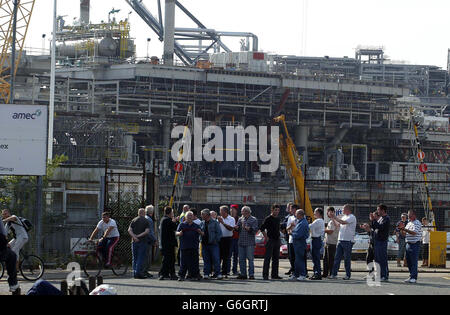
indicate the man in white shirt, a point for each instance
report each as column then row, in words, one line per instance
column 290, row 224
column 331, row 240
column 317, row 229
column 413, row 232
column 425, row 241
column 20, row 235
column 109, row 239
column 346, row 240
column 8, row 257
column 227, row 224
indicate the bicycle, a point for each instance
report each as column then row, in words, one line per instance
column 31, row 267
column 93, row 262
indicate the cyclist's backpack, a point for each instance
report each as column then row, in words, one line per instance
column 27, row 225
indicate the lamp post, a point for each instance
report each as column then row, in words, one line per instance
column 13, row 52
column 148, row 43
column 52, row 86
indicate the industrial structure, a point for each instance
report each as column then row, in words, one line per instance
column 349, row 117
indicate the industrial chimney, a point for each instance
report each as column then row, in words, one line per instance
column 84, row 12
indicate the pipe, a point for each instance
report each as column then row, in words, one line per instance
column 347, row 125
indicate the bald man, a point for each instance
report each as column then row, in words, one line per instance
column 138, row 230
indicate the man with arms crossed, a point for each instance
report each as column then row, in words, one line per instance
column 271, row 231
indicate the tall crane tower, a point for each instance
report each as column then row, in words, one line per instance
column 24, row 11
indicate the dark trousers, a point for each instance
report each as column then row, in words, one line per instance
column 225, row 249
column 106, row 248
column 168, row 262
column 328, row 259
column 234, row 253
column 272, row 252
column 381, row 257
column 139, row 251
column 189, row 262
column 316, row 247
column 10, row 258
column 149, row 260
column 291, row 254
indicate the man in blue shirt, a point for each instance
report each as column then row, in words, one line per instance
column 189, row 234
column 300, row 234
column 381, row 229
column 211, row 235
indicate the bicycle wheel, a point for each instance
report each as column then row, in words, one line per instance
column 119, row 268
column 92, row 266
column 2, row 270
column 32, row 268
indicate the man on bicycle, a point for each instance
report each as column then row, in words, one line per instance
column 20, row 236
column 109, row 239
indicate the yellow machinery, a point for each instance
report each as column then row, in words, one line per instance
column 179, row 175
column 24, row 12
column 291, row 159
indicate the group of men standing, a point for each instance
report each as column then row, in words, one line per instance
column 220, row 237
column 227, row 240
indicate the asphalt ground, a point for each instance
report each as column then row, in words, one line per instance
column 431, row 282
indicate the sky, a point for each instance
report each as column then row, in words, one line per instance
column 411, row 31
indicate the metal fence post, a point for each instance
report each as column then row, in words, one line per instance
column 39, row 211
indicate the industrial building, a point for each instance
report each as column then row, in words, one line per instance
column 349, row 118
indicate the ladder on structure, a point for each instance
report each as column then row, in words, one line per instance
column 421, row 174
column 182, row 167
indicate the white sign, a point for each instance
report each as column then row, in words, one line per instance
column 339, row 211
column 23, row 140
column 80, row 246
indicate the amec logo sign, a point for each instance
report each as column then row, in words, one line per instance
column 26, row 116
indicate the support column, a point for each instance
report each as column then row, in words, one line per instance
column 169, row 33
column 166, row 142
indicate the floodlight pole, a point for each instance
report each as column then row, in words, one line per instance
column 52, row 87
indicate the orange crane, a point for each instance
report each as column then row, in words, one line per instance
column 24, row 12
column 291, row 159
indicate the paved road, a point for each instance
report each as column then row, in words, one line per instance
column 431, row 283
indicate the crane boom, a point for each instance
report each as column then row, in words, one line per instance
column 291, row 159
column 24, row 12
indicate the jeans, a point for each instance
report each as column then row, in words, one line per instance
column 300, row 252
column 291, row 254
column 316, row 245
column 412, row 258
column 381, row 257
column 234, row 253
column 168, row 262
column 401, row 248
column 344, row 249
column 10, row 258
column 211, row 257
column 189, row 262
column 225, row 249
column 139, row 251
column 272, row 252
column 328, row 259
column 247, row 253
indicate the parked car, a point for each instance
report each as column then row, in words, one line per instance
column 260, row 247
column 361, row 246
